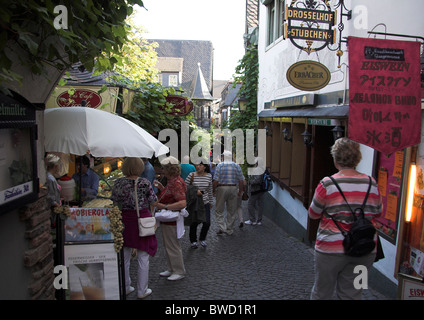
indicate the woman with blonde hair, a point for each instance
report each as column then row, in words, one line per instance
column 333, row 268
column 123, row 193
column 172, row 197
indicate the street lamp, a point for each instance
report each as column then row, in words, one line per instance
column 337, row 132
column 242, row 102
column 286, row 133
column 268, row 131
column 307, row 138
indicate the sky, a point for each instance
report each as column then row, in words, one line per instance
column 219, row 21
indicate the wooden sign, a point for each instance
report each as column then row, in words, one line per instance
column 308, row 75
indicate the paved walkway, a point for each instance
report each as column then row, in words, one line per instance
column 255, row 263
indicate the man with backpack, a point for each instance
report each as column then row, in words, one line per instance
column 345, row 203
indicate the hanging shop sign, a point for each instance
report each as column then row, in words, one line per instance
column 180, row 105
column 309, row 24
column 384, row 93
column 308, row 75
column 74, row 97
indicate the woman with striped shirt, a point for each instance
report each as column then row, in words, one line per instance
column 203, row 180
column 332, row 267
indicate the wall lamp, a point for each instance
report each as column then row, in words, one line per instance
column 242, row 102
column 286, row 133
column 411, row 186
column 307, row 138
column 337, row 132
column 268, row 131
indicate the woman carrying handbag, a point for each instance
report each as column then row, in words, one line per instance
column 123, row 193
column 173, row 198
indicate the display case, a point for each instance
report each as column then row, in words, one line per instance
column 108, row 170
column 19, row 183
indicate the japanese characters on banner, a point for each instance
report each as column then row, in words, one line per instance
column 384, row 93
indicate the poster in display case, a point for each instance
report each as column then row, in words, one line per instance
column 19, row 183
column 389, row 179
column 93, row 271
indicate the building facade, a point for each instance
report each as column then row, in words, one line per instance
column 296, row 38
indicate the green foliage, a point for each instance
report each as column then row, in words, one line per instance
column 149, row 108
column 137, row 57
column 96, row 34
column 247, row 74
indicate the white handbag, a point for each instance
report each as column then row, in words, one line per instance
column 146, row 226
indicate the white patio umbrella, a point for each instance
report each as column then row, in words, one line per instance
column 78, row 130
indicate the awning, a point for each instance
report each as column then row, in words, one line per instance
column 337, row 111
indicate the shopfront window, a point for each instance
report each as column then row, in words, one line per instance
column 297, row 166
column 18, row 171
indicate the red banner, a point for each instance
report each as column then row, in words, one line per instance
column 384, row 93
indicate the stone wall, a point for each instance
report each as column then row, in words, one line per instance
column 39, row 255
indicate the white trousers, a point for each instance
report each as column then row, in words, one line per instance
column 142, row 270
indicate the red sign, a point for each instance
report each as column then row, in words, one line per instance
column 384, row 93
column 92, row 99
column 180, row 105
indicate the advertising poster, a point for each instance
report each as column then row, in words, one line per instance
column 384, row 93
column 88, row 224
column 410, row 288
column 93, row 272
column 389, row 179
column 417, row 261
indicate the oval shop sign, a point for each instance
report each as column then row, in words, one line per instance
column 92, row 98
column 308, row 75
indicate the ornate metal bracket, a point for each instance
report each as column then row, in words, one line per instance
column 344, row 13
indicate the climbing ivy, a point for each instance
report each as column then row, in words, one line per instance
column 96, row 32
column 247, row 73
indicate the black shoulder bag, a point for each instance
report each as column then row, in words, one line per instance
column 359, row 240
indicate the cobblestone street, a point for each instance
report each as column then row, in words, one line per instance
column 254, row 263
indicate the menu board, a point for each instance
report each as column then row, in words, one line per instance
column 88, row 224
column 93, row 271
column 389, row 178
column 90, row 256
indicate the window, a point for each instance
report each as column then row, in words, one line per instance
column 173, row 80
column 275, row 19
column 271, row 22
column 159, row 78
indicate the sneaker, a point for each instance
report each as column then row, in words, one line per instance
column 259, row 223
column 250, row 222
column 165, row 273
column 194, row 245
column 203, row 243
column 175, row 277
column 129, row 290
column 147, row 293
